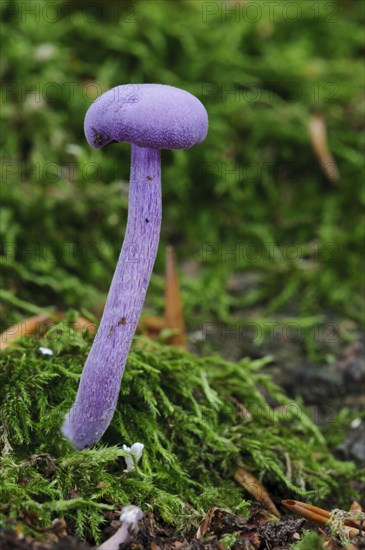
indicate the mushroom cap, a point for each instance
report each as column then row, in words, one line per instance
column 148, row 115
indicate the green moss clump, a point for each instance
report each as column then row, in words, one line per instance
column 309, row 541
column 197, row 417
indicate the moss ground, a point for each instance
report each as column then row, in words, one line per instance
column 251, row 204
column 187, row 411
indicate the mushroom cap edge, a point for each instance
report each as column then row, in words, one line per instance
column 149, row 115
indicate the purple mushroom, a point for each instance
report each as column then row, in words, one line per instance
column 150, row 117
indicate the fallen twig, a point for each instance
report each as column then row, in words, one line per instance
column 37, row 325
column 321, row 517
column 173, row 308
column 256, row 489
column 318, row 137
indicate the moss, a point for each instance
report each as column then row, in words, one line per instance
column 253, row 187
column 309, row 541
column 197, row 417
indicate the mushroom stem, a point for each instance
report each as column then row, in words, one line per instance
column 99, row 387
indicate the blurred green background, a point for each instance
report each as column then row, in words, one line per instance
column 259, row 230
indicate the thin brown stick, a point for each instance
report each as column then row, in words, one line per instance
column 247, row 480
column 38, row 324
column 152, row 326
column 307, row 511
column 173, row 308
column 318, row 138
column 315, row 514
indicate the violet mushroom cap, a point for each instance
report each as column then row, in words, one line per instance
column 150, row 117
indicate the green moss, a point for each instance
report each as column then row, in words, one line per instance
column 253, row 187
column 197, row 417
column 309, row 541
column 255, row 181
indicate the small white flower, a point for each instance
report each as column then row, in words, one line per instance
column 135, row 450
column 131, row 514
column 46, row 351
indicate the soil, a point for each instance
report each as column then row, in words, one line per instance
column 253, row 533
